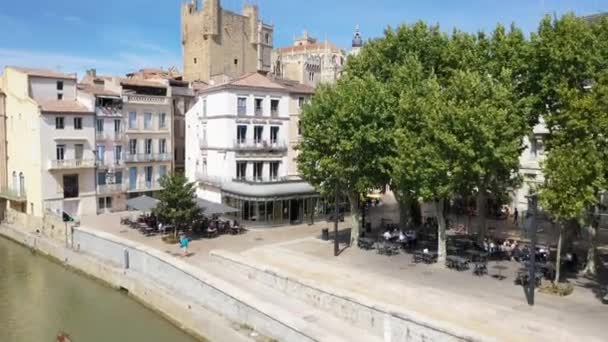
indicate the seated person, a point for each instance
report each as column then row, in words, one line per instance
column 387, row 235
column 402, row 237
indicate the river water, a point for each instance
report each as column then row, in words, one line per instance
column 39, row 298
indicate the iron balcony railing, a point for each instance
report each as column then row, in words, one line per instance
column 147, row 157
column 71, row 164
column 111, row 188
column 110, row 136
column 264, row 179
column 144, row 186
column 259, row 144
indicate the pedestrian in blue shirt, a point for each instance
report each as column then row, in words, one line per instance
column 183, row 242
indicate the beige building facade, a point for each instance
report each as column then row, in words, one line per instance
column 3, row 168
column 50, row 141
column 219, row 43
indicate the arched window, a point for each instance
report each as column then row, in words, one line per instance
column 21, row 184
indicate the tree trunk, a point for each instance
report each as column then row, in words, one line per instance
column 355, row 212
column 441, row 235
column 405, row 207
column 482, row 210
column 558, row 258
column 591, row 267
column 416, row 215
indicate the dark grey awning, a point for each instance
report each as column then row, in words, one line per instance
column 270, row 190
column 212, row 208
column 142, row 203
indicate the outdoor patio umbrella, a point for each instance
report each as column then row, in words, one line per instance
column 142, row 203
column 211, row 208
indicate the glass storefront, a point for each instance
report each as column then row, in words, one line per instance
column 276, row 212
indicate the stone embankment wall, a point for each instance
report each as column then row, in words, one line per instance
column 199, row 303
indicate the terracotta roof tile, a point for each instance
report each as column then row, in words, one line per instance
column 60, row 106
column 141, row 83
column 295, row 86
column 96, row 90
column 256, row 80
column 44, row 73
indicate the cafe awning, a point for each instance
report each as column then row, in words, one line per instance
column 142, row 203
column 212, row 208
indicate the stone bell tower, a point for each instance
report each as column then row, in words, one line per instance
column 217, row 43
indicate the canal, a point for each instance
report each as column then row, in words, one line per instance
column 39, row 298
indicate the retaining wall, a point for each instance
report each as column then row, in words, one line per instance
column 392, row 325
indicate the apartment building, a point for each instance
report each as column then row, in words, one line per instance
column 238, row 149
column 3, row 169
column 50, row 142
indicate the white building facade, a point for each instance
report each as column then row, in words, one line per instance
column 237, row 149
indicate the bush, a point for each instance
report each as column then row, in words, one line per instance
column 559, row 289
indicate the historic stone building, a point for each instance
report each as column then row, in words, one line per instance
column 218, row 43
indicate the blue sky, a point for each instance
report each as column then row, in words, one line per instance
column 117, row 36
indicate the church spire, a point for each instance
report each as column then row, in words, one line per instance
column 357, row 40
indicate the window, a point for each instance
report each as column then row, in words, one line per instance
column 99, row 125
column 300, row 101
column 241, row 134
column 204, row 108
column 162, row 171
column 59, row 122
column 118, row 153
column 149, row 170
column 59, row 85
column 258, row 106
column 267, row 38
column 21, row 183
column 59, row 97
column 162, row 123
column 242, row 106
column 148, row 146
column 132, row 178
column 118, row 177
column 60, row 152
column 78, row 151
column 132, row 120
column 257, row 171
column 117, row 126
column 274, row 134
column 299, row 127
column 195, row 60
column 133, row 146
column 241, row 170
column 101, row 152
column 236, row 62
column 257, row 134
column 101, row 178
column 70, row 186
column 162, row 146
column 77, row 123
column 311, row 76
column 147, row 120
column 274, row 170
column 274, row 107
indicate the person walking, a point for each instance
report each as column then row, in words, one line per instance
column 515, row 216
column 183, row 241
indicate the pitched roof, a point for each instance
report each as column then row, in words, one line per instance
column 310, row 47
column 259, row 81
column 96, row 90
column 44, row 73
column 295, row 86
column 141, row 83
column 255, row 80
column 62, row 106
column 593, row 18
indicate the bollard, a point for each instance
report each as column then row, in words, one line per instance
column 126, row 259
column 325, row 234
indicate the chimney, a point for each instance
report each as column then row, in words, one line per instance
column 92, row 73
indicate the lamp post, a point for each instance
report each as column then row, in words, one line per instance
column 531, row 229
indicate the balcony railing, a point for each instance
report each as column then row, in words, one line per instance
column 145, row 157
column 265, row 179
column 258, row 112
column 260, row 145
column 241, row 111
column 108, row 111
column 13, row 194
column 109, row 162
column 110, row 136
column 207, row 179
column 111, row 188
column 146, row 99
column 202, row 143
column 71, row 164
column 144, row 186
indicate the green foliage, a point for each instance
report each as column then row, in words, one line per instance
column 177, row 201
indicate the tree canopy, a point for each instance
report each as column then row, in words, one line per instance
column 177, row 201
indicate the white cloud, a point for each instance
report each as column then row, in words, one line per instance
column 72, row 19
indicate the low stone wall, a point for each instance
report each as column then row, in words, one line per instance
column 49, row 225
column 392, row 325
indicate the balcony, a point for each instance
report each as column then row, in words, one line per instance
column 66, row 164
column 109, row 136
column 147, row 157
column 204, row 178
column 146, row 99
column 109, row 111
column 108, row 189
column 17, row 195
column 143, row 186
column 260, row 145
column 266, row 180
column 109, row 163
column 202, row 143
